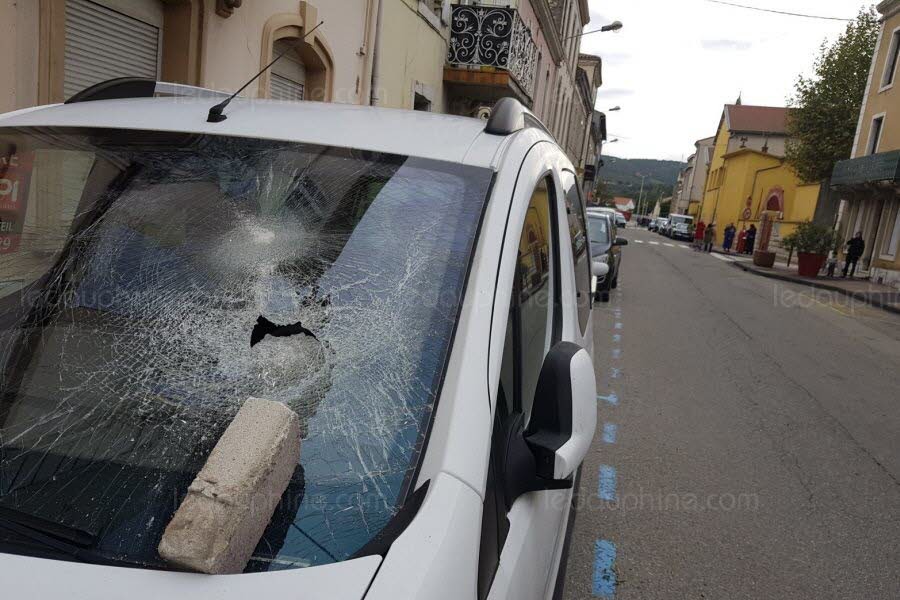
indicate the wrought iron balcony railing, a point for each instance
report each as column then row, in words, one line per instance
column 488, row 36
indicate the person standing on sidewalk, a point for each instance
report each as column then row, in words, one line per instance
column 742, row 240
column 709, row 237
column 751, row 239
column 729, row 238
column 855, row 249
column 699, row 231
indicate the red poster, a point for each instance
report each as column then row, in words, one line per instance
column 15, row 175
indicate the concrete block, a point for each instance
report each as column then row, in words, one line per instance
column 231, row 501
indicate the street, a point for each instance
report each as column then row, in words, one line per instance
column 747, row 441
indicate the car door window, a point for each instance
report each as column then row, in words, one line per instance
column 580, row 255
column 533, row 326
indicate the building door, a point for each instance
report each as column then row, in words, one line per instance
column 104, row 40
column 289, row 73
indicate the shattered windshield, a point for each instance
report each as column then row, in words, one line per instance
column 151, row 282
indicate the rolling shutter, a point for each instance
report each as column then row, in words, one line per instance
column 288, row 74
column 103, row 44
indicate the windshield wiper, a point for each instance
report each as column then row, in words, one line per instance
column 66, row 540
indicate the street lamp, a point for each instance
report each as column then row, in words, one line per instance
column 614, row 26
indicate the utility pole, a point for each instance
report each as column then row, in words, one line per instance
column 641, row 195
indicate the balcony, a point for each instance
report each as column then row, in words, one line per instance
column 492, row 51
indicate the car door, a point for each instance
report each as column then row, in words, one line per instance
column 522, row 542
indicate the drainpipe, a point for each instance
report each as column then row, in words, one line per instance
column 366, row 51
column 376, row 53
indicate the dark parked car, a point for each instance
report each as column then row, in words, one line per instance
column 605, row 247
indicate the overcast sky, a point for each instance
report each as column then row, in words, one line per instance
column 677, row 62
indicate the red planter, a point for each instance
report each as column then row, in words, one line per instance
column 809, row 265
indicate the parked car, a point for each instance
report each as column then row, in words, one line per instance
column 605, row 246
column 652, row 224
column 421, row 253
column 661, row 224
column 616, row 215
column 680, row 227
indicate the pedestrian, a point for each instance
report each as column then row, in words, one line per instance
column 699, row 231
column 742, row 240
column 751, row 239
column 729, row 238
column 855, row 249
column 709, row 237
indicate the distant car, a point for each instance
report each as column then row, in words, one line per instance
column 605, row 247
column 661, row 224
column 617, row 216
column 680, row 227
column 651, row 225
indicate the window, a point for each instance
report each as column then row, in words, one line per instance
column 289, row 73
column 893, row 57
column 580, row 255
column 875, row 134
column 420, row 102
column 532, row 327
column 892, row 232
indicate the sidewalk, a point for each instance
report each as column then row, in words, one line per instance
column 863, row 290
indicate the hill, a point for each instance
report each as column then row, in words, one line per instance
column 622, row 177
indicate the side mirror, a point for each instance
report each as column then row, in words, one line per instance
column 545, row 454
column 599, row 269
column 620, row 242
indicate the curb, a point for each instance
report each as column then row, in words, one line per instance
column 876, row 302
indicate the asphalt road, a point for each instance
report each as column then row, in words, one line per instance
column 752, row 448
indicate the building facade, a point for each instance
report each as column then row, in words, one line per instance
column 429, row 55
column 692, row 179
column 869, row 183
column 748, row 176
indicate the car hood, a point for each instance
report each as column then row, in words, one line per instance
column 28, row 577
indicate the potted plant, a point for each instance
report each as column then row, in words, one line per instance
column 812, row 242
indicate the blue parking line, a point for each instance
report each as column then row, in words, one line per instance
column 604, row 575
column 610, row 430
column 618, row 326
column 616, row 353
column 606, row 490
column 612, row 398
column 617, row 337
column 615, row 373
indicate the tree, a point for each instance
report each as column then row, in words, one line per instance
column 822, row 124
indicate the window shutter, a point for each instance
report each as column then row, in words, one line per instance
column 103, row 44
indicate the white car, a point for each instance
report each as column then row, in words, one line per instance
column 425, row 282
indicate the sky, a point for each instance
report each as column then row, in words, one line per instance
column 676, row 63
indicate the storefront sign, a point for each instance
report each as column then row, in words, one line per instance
column 15, row 175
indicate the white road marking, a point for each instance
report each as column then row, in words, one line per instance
column 683, row 246
column 654, row 243
column 638, row 241
column 721, row 257
column 668, row 244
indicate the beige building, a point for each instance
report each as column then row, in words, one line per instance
column 692, row 179
column 411, row 54
column 869, row 183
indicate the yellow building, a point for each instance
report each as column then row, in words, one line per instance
column 869, row 183
column 749, row 176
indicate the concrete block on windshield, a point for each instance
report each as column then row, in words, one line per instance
column 233, row 497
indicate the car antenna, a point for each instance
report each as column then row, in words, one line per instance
column 215, row 113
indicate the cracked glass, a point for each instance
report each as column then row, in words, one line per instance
column 151, row 282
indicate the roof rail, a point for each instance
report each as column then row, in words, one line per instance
column 509, row 116
column 139, row 87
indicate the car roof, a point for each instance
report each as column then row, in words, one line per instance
column 405, row 132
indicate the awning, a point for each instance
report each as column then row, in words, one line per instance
column 883, row 167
